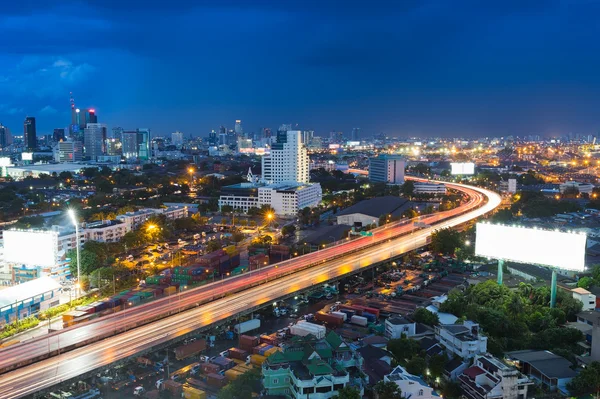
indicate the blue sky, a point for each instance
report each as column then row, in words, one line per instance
column 409, row 67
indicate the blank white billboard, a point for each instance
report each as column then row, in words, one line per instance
column 27, row 156
column 527, row 245
column 34, row 248
column 463, row 168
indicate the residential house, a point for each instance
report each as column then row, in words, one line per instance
column 464, row 340
column 312, row 369
column 489, row 378
column 551, row 370
column 410, row 385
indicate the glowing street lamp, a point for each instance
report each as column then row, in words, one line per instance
column 74, row 220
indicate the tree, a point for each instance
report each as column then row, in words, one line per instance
column 226, row 209
column 408, row 188
column 416, row 366
column 446, row 241
column 244, row 387
column 236, row 236
column 585, row 282
column 288, row 230
column 213, row 246
column 88, row 261
column 387, row 390
column 403, row 348
column 436, row 365
column 586, row 382
column 424, row 316
column 347, row 392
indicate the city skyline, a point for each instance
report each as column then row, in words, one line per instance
column 423, row 68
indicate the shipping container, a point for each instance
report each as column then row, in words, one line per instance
column 189, row 392
column 232, row 374
column 269, row 339
column 343, row 315
column 359, row 320
column 236, row 353
column 271, row 351
column 184, row 351
column 247, row 342
column 331, row 320
column 246, row 326
column 257, row 360
column 174, row 387
column 224, row 363
column 208, row 368
column 303, row 329
column 216, row 380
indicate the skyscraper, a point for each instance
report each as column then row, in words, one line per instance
column 267, row 133
column 144, row 143
column 355, row 134
column 94, row 140
column 222, row 135
column 238, row 128
column 90, row 116
column 117, row 133
column 177, row 139
column 130, row 144
column 231, row 137
column 307, row 136
column 58, row 135
column 213, row 139
column 30, row 133
column 5, row 136
column 288, row 160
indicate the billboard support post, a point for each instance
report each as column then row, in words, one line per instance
column 500, row 271
column 553, row 290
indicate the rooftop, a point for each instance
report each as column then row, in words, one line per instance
column 27, row 290
column 398, row 321
column 378, row 206
column 549, row 364
column 590, row 316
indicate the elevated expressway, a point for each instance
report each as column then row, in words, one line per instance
column 43, row 362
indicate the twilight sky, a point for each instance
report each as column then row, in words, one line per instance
column 406, row 67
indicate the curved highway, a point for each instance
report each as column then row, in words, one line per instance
column 105, row 340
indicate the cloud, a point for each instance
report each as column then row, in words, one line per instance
column 48, row 110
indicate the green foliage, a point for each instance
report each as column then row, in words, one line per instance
column 29, row 222
column 451, row 390
column 403, row 349
column 446, row 241
column 585, row 282
column 387, row 390
column 244, row 387
column 424, row 316
column 213, row 245
column 534, row 204
column 348, row 392
column 416, row 365
column 586, row 382
column 518, row 319
column 408, row 188
column 436, row 365
column 88, row 261
column 288, row 230
column 237, row 236
column 19, row 326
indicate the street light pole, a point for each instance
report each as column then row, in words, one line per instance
column 73, row 218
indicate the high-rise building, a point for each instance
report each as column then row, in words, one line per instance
column 231, row 137
column 267, row 133
column 387, row 169
column 58, row 135
column 94, row 140
column 30, row 133
column 130, row 144
column 114, row 146
column 177, row 139
column 307, row 136
column 144, row 143
column 213, row 138
column 117, row 133
column 288, row 160
column 238, row 128
column 5, row 136
column 90, row 116
column 355, row 134
column 222, row 135
column 68, row 151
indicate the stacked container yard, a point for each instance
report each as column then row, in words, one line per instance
column 258, row 261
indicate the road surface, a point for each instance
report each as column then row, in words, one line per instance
column 274, row 281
